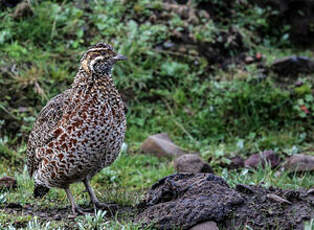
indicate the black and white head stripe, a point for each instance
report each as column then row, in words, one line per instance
column 93, row 61
column 96, row 54
column 100, row 59
column 96, row 50
column 101, row 45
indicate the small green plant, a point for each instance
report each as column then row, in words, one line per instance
column 309, row 225
column 305, row 107
column 206, row 33
column 3, row 198
column 36, row 225
column 94, row 222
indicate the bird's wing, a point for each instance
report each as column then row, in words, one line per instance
column 47, row 121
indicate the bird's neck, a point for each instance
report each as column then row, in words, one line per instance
column 94, row 83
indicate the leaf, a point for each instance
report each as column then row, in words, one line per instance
column 308, row 98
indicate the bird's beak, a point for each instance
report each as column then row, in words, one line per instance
column 120, row 57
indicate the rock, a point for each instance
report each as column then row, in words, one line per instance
column 261, row 158
column 208, row 225
column 292, row 66
column 299, row 163
column 161, row 146
column 186, row 200
column 236, row 162
column 191, row 163
column 248, row 60
column 7, row 183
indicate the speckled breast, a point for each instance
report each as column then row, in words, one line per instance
column 88, row 138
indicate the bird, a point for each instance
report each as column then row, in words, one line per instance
column 80, row 131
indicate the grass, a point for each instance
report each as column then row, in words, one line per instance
column 219, row 112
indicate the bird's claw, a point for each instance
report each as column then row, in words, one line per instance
column 107, row 207
column 76, row 211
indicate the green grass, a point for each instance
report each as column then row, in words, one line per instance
column 204, row 108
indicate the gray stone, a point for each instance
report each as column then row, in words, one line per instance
column 161, row 145
column 191, row 163
column 299, row 163
column 236, row 162
column 261, row 159
column 293, row 65
column 249, row 60
column 208, row 225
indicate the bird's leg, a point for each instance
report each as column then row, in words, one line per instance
column 75, row 208
column 94, row 199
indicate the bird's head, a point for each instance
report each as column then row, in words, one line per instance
column 99, row 59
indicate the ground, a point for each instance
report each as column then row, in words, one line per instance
column 187, row 74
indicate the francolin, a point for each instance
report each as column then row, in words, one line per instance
column 80, row 131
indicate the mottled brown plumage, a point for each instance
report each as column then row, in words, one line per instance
column 79, row 131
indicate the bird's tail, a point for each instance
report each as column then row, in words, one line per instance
column 40, row 190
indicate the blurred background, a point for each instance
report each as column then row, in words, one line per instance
column 225, row 79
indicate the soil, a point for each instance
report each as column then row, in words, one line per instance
column 184, row 200
column 59, row 214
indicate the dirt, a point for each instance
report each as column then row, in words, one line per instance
column 59, row 214
column 273, row 208
column 184, row 200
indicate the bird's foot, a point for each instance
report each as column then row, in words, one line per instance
column 112, row 208
column 76, row 211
